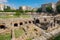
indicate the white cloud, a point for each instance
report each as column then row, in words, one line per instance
column 3, row 1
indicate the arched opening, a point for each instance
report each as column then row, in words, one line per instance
column 58, row 21
column 29, row 21
column 45, row 19
column 15, row 25
column 35, row 29
column 25, row 22
column 33, row 22
column 37, row 21
column 2, row 27
column 21, row 23
column 44, row 26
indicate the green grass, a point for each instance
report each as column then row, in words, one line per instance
column 5, row 36
column 29, row 39
column 8, row 17
column 18, row 32
column 23, row 16
column 57, row 38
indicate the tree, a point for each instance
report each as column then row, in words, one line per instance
column 39, row 10
column 7, row 9
column 49, row 9
column 21, row 10
column 58, row 8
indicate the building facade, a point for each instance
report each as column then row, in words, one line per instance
column 43, row 6
column 2, row 7
column 26, row 8
column 58, row 3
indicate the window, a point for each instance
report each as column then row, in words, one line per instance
column 2, row 27
column 15, row 24
column 29, row 21
column 21, row 23
column 37, row 21
column 33, row 22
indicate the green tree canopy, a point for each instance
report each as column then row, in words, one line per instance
column 58, row 8
column 39, row 10
column 49, row 9
column 7, row 9
column 21, row 10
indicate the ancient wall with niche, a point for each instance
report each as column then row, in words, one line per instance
column 17, row 22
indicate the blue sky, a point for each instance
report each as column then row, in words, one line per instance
column 32, row 3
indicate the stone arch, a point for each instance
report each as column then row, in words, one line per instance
column 37, row 21
column 21, row 23
column 29, row 21
column 33, row 22
column 35, row 30
column 15, row 24
column 25, row 22
column 58, row 21
column 2, row 26
column 44, row 27
column 45, row 19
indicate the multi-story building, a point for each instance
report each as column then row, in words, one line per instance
column 35, row 9
column 12, row 8
column 58, row 3
column 43, row 6
column 26, row 8
column 2, row 7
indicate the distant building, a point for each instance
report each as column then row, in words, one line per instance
column 43, row 6
column 12, row 8
column 35, row 9
column 26, row 8
column 2, row 7
column 58, row 3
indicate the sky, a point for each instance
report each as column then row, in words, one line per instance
column 32, row 3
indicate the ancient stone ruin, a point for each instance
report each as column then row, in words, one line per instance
column 40, row 28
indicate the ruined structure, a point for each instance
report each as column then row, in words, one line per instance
column 45, row 27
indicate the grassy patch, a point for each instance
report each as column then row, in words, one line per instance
column 57, row 38
column 18, row 32
column 23, row 16
column 8, row 17
column 29, row 39
column 6, row 36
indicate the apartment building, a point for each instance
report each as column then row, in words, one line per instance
column 26, row 8
column 2, row 7
column 43, row 6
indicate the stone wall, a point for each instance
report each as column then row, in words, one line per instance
column 7, row 13
column 52, row 23
column 16, row 22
